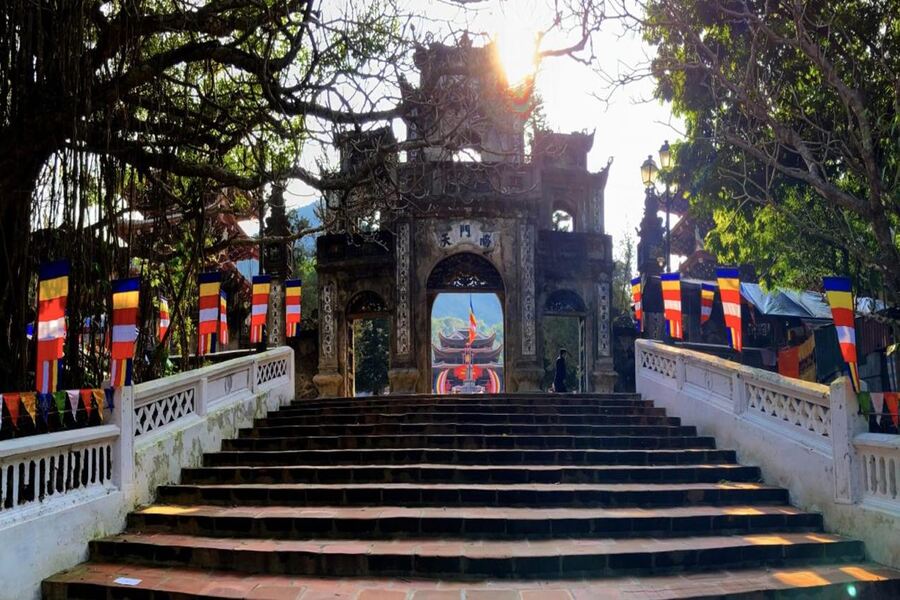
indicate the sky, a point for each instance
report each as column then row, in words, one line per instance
column 629, row 126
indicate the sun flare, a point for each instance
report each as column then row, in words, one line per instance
column 517, row 53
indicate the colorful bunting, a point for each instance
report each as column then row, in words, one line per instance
column 837, row 290
column 293, row 296
column 53, row 289
column 730, row 293
column 59, row 398
column 259, row 307
column 223, row 319
column 43, row 402
column 892, row 407
column 865, row 402
column 637, row 297
column 210, row 284
column 87, row 399
column 110, row 398
column 12, row 406
column 707, row 294
column 671, row 292
column 29, row 401
column 163, row 325
column 98, row 397
column 125, row 298
column 74, row 395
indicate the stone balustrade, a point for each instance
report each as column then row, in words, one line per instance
column 60, row 490
column 805, row 436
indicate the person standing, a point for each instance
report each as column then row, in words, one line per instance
column 559, row 381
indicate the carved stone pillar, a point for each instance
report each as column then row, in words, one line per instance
column 603, row 377
column 403, row 375
column 328, row 381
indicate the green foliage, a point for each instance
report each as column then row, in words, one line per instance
column 792, row 118
column 561, row 332
column 371, row 354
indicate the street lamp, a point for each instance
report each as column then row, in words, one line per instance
column 649, row 175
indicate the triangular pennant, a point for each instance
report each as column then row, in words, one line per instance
column 110, row 398
column 44, row 402
column 12, row 405
column 877, row 402
column 73, row 401
column 60, row 399
column 29, row 401
column 87, row 400
column 98, row 399
column 892, row 406
column 865, row 403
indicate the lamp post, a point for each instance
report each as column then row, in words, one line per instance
column 650, row 173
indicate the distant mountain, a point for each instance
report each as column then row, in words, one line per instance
column 308, row 212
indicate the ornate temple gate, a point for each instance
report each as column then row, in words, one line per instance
column 482, row 226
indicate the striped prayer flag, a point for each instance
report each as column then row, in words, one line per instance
column 707, row 294
column 293, row 297
column 125, row 298
column 207, row 328
column 260, row 307
column 730, row 292
column 163, row 326
column 637, row 297
column 837, row 290
column 53, row 290
column 671, row 292
column 223, row 319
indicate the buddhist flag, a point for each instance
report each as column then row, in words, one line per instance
column 473, row 323
column 223, row 319
column 163, row 317
column 837, row 289
column 293, row 298
column 671, row 292
column 260, row 307
column 210, row 284
column 53, row 289
column 637, row 296
column 730, row 292
column 707, row 294
column 125, row 296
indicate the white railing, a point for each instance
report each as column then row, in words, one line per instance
column 39, row 470
column 87, row 480
column 880, row 461
column 805, row 436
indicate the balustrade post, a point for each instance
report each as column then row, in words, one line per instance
column 123, row 450
column 679, row 371
column 845, row 425
column 738, row 394
column 201, row 400
column 254, row 375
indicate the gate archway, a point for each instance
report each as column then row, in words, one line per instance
column 464, row 358
column 368, row 344
column 563, row 323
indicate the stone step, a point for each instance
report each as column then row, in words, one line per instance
column 627, row 408
column 437, row 558
column 467, row 429
column 458, row 495
column 474, row 474
column 286, row 522
column 96, row 581
column 395, row 456
column 533, row 399
column 469, row 442
column 467, row 418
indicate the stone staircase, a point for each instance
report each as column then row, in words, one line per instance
column 512, row 497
